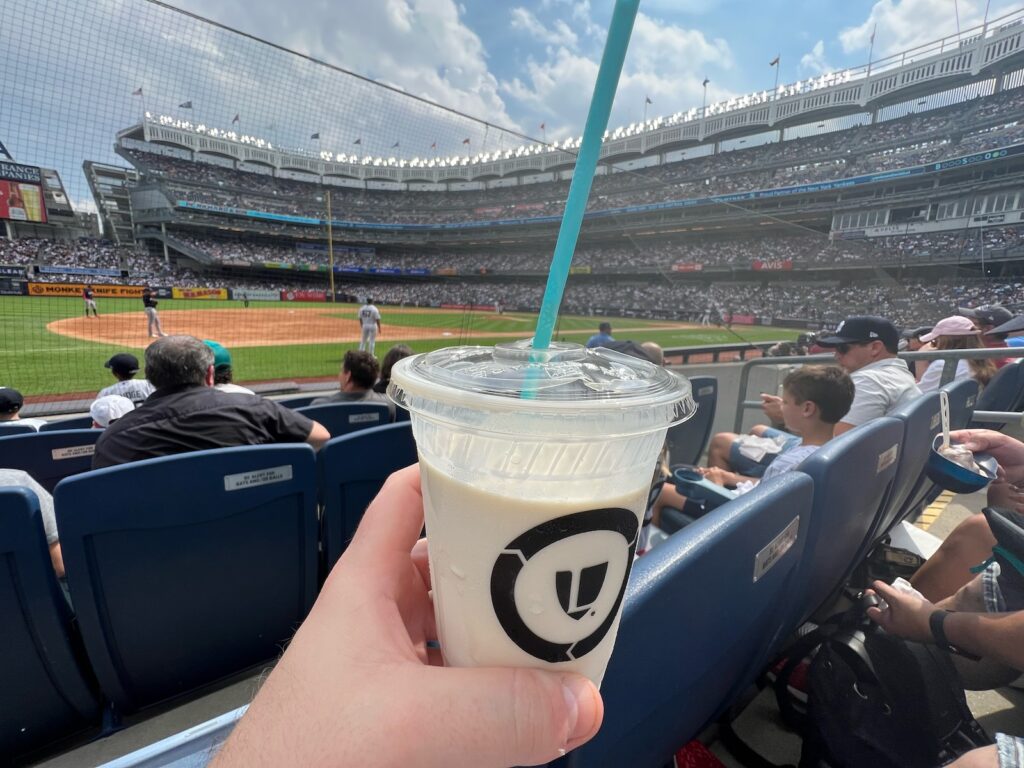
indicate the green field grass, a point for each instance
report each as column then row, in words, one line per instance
column 39, row 362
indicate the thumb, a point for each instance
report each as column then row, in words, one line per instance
column 507, row 716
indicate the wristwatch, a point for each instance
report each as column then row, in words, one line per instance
column 935, row 622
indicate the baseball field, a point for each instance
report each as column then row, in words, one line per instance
column 51, row 349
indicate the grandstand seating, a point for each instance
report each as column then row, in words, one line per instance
column 351, row 471
column 921, row 423
column 852, row 474
column 45, row 692
column 13, row 428
column 342, row 418
column 50, row 456
column 186, row 585
column 686, row 442
column 296, row 402
column 76, row 422
column 671, row 674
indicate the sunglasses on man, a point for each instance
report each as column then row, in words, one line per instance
column 843, row 349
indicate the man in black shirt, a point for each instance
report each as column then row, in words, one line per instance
column 186, row 413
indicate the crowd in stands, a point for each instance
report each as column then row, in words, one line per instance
column 912, row 140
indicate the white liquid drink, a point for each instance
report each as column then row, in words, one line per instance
column 535, row 479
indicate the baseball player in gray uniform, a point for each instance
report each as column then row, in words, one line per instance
column 369, row 321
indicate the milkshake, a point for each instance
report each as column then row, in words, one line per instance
column 535, row 470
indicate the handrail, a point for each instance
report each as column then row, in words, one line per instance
column 715, row 350
column 948, row 371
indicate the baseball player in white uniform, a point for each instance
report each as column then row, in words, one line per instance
column 369, row 320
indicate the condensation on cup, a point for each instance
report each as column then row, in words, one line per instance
column 536, row 468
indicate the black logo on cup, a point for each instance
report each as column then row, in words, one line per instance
column 577, row 589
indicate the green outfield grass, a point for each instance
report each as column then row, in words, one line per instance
column 39, row 362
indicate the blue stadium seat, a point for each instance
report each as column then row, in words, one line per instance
column 852, row 475
column 187, row 569
column 14, row 428
column 296, row 402
column 45, row 694
column 686, row 441
column 77, row 422
column 963, row 395
column 702, row 611
column 351, row 471
column 343, row 418
column 50, row 456
column 921, row 422
column 1005, row 392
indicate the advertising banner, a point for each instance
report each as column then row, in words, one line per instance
column 10, row 287
column 199, row 293
column 75, row 290
column 445, row 271
column 22, row 202
column 349, row 269
column 256, row 294
column 95, row 271
column 303, row 296
column 742, row 319
column 581, row 270
column 11, row 271
column 772, row 265
column 687, row 267
column 162, row 293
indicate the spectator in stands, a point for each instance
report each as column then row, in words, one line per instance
column 602, row 337
column 998, row 636
column 222, row 371
column 953, row 333
column 11, row 402
column 186, row 413
column 814, row 399
column 396, row 353
column 358, row 374
column 123, row 367
column 1012, row 329
column 370, row 669
column 108, row 409
column 654, row 352
column 865, row 347
column 16, row 478
column 985, row 319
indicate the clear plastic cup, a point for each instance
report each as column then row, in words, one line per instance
column 536, row 468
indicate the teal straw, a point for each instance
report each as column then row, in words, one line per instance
column 586, row 162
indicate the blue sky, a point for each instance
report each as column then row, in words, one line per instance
column 523, row 63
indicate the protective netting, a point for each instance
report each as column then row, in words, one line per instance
column 264, row 195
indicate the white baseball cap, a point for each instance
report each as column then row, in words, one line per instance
column 110, row 408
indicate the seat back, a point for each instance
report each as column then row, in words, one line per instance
column 686, row 441
column 50, row 456
column 299, row 401
column 921, row 422
column 963, row 396
column 351, row 470
column 76, row 422
column 14, row 428
column 44, row 692
column 1005, row 392
column 186, row 569
column 852, row 475
column 343, row 418
column 701, row 611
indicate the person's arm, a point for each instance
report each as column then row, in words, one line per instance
column 57, row 559
column 772, row 407
column 932, row 376
column 361, row 659
column 996, row 636
column 318, row 436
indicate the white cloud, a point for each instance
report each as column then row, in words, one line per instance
column 558, row 33
column 666, row 63
column 904, row 24
column 813, row 62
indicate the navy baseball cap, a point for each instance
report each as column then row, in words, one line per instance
column 10, row 400
column 990, row 314
column 862, row 329
column 913, row 333
column 123, row 363
column 1011, row 326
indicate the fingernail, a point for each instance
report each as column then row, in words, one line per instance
column 577, row 693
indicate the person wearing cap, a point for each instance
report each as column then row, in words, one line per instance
column 11, row 401
column 186, row 413
column 123, row 367
column 1014, row 329
column 222, row 371
column 985, row 319
column 865, row 346
column 910, row 341
column 149, row 304
column 956, row 332
column 108, row 409
column 602, row 337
